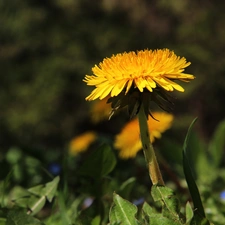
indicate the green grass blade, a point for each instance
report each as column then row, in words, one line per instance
column 199, row 213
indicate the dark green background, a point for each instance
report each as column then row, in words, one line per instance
column 47, row 47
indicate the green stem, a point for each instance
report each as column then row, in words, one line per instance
column 153, row 167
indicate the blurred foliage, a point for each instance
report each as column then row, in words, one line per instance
column 92, row 187
column 48, row 46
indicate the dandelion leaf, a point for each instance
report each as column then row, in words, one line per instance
column 152, row 217
column 189, row 213
column 100, row 163
column 20, row 217
column 122, row 212
column 35, row 198
column 169, row 201
column 48, row 190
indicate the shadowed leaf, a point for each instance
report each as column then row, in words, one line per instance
column 199, row 213
column 217, row 144
column 100, row 163
column 19, row 217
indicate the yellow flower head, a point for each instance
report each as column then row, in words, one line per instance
column 143, row 70
column 128, row 141
column 82, row 142
column 100, row 110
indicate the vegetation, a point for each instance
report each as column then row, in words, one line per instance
column 47, row 47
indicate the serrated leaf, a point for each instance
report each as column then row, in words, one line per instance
column 170, row 203
column 122, row 212
column 19, row 217
column 147, row 209
column 31, row 202
column 36, row 197
column 189, row 213
column 48, row 190
column 160, row 220
column 100, row 163
column 199, row 213
column 161, row 192
column 217, row 144
column 154, row 218
column 147, row 212
column 35, row 204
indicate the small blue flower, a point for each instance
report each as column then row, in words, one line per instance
column 54, row 169
column 87, row 202
column 222, row 195
column 138, row 201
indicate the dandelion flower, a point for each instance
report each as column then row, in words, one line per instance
column 100, row 110
column 127, row 77
column 128, row 140
column 145, row 69
column 82, row 142
column 135, row 79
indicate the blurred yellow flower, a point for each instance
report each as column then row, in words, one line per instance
column 144, row 70
column 100, row 110
column 128, row 141
column 82, row 142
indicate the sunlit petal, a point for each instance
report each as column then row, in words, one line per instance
column 145, row 69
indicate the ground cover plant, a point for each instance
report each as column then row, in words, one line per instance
column 88, row 194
